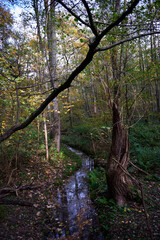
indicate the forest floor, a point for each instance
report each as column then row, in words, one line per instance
column 133, row 221
column 36, row 221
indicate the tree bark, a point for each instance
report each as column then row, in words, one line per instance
column 46, row 136
column 51, row 37
column 117, row 180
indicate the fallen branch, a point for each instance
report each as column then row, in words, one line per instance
column 141, row 170
column 7, row 190
column 12, row 202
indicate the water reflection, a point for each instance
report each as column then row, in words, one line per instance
column 75, row 215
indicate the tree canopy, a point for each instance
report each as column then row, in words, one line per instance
column 128, row 22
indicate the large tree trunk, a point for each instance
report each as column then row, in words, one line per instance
column 52, row 47
column 118, row 182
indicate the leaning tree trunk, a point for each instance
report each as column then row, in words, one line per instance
column 118, row 182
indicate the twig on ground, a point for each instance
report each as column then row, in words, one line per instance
column 8, row 190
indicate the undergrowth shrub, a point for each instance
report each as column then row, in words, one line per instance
column 98, row 186
column 79, row 137
column 18, row 150
column 65, row 159
column 72, row 161
column 91, row 140
column 107, row 208
column 145, row 145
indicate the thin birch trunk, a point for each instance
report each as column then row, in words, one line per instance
column 46, row 136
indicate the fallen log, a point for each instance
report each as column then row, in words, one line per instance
column 13, row 202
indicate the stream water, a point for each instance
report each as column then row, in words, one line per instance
column 75, row 215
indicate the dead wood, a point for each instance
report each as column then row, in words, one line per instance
column 8, row 190
column 13, row 202
column 139, row 169
column 10, row 176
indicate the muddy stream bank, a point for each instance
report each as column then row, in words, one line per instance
column 75, row 215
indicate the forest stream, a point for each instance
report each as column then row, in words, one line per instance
column 75, row 214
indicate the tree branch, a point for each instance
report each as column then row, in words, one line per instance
column 8, row 190
column 73, row 14
column 120, row 19
column 139, row 169
column 53, row 95
column 93, row 28
column 128, row 25
column 80, row 68
column 35, row 85
column 125, row 40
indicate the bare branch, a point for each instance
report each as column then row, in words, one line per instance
column 73, row 14
column 139, row 169
column 53, row 95
column 125, row 40
column 128, row 25
column 120, row 19
column 35, row 85
column 93, row 28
